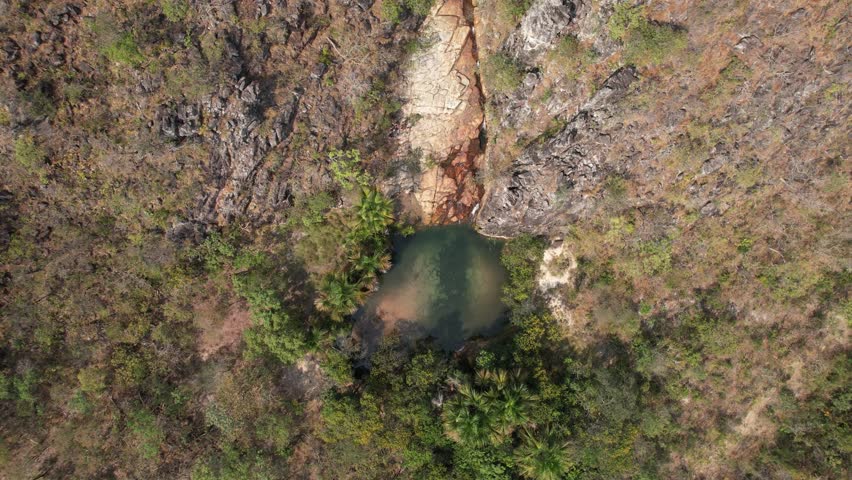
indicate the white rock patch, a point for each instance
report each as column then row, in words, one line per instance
column 556, row 274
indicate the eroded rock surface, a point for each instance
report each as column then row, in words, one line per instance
column 443, row 104
column 540, row 28
column 240, row 145
column 555, row 179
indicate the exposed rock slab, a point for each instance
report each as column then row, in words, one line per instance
column 443, row 102
column 556, row 274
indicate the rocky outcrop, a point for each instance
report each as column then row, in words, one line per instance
column 556, row 178
column 240, row 145
column 541, row 26
column 443, row 105
column 180, row 121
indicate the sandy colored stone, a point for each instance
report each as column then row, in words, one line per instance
column 442, row 94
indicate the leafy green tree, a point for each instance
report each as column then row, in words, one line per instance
column 521, row 256
column 275, row 332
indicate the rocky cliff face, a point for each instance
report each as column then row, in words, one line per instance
column 444, row 111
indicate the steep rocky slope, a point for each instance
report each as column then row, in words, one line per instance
column 443, row 104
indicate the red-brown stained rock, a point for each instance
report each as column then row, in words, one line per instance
column 443, row 91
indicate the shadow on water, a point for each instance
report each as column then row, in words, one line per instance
column 445, row 283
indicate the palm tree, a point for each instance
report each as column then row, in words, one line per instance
column 544, row 458
column 370, row 264
column 375, row 212
column 477, row 418
column 468, row 417
column 512, row 407
column 338, row 296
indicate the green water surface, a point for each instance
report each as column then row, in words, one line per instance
column 445, row 283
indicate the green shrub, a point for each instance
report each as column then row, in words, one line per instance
column 123, row 50
column 521, row 257
column 624, row 19
column 419, row 7
column 276, row 431
column 814, row 433
column 310, row 211
column 511, row 11
column 174, row 10
column 655, row 256
column 231, row 464
column 645, row 42
column 275, row 333
column 346, row 169
column 391, row 11
column 570, row 57
column 376, row 102
column 501, row 74
column 193, row 82
column 537, row 330
column 146, row 433
column 214, row 252
column 28, row 153
column 394, row 10
column 41, row 104
column 337, row 366
column 653, row 44
column 92, row 380
column 351, row 419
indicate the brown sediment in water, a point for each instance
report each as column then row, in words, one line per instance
column 402, row 303
column 446, row 283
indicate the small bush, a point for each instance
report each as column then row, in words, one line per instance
column 624, row 19
column 501, row 73
column 645, row 42
column 570, row 57
column 147, row 434
column 511, row 11
column 391, row 11
column 174, row 10
column 394, row 10
column 377, row 100
column 123, row 50
column 346, row 169
column 28, row 153
column 419, row 7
